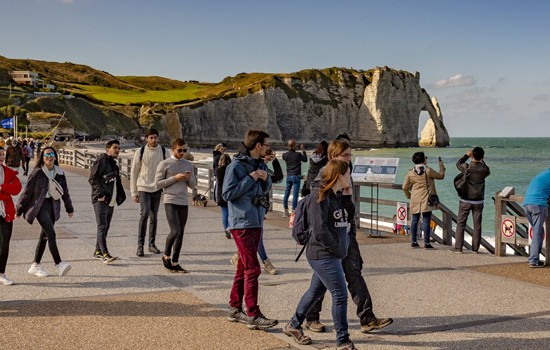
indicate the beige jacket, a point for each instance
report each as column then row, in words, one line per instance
column 416, row 188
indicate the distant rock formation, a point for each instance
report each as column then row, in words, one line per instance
column 377, row 108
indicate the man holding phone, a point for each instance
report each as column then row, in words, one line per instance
column 175, row 175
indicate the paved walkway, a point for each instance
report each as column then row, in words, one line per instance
column 436, row 300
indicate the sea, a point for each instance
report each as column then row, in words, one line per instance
column 513, row 162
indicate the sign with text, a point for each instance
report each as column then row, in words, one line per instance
column 381, row 170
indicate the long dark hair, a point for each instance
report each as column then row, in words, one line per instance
column 321, row 149
column 41, row 158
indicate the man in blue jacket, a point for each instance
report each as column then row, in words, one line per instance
column 245, row 186
column 536, row 210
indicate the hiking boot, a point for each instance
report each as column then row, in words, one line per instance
column 428, row 246
column 314, row 326
column 286, row 214
column 5, row 280
column 260, row 322
column 236, row 314
column 98, row 255
column 235, row 260
column 179, row 269
column 107, row 258
column 38, row 270
column 377, row 323
column 140, row 251
column 153, row 249
column 269, row 268
column 346, row 346
column 227, row 234
column 538, row 265
column 167, row 262
column 455, row 250
column 414, row 245
column 297, row 334
column 63, row 268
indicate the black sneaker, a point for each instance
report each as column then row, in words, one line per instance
column 414, row 245
column 98, row 255
column 260, row 322
column 538, row 265
column 428, row 246
column 167, row 262
column 140, row 251
column 179, row 269
column 236, row 314
column 107, row 258
column 153, row 249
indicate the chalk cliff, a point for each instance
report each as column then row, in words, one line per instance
column 377, row 108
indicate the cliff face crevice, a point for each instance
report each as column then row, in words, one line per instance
column 378, row 108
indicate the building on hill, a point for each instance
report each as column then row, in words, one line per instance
column 30, row 78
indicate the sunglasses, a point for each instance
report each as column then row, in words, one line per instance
column 181, row 150
column 49, row 155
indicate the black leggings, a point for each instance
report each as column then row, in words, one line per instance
column 5, row 236
column 177, row 218
column 46, row 219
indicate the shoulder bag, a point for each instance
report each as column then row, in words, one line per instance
column 433, row 199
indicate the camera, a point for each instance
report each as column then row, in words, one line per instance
column 261, row 201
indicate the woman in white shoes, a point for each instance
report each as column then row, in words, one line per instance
column 41, row 201
column 9, row 186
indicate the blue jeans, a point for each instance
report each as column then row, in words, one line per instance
column 261, row 248
column 536, row 214
column 427, row 218
column 327, row 274
column 225, row 216
column 292, row 180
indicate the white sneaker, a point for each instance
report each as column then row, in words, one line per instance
column 63, row 268
column 5, row 281
column 38, row 270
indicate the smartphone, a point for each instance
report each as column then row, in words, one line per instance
column 440, row 159
column 187, row 173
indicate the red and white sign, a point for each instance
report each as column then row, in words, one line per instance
column 531, row 235
column 401, row 213
column 508, row 228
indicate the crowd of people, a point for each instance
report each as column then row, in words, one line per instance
column 241, row 191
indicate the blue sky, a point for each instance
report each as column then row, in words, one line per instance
column 487, row 62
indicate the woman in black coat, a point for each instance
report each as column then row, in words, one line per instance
column 220, row 175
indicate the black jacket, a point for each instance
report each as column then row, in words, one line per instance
column 315, row 165
column 476, row 180
column 33, row 196
column 220, row 175
column 277, row 173
column 328, row 221
column 103, row 176
column 216, row 159
column 294, row 161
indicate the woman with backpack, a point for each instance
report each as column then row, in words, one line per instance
column 327, row 246
column 418, row 186
column 41, row 201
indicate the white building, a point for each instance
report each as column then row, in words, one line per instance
column 30, row 78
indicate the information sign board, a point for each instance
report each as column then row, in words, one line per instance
column 382, row 170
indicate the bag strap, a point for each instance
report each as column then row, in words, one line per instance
column 428, row 182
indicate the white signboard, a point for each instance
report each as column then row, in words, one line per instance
column 381, row 170
column 401, row 213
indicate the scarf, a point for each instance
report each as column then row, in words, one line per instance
column 420, row 168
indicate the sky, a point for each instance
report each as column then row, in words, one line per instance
column 487, row 62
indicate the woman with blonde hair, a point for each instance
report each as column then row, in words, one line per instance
column 327, row 246
column 419, row 184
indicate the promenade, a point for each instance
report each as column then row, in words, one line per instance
column 438, row 300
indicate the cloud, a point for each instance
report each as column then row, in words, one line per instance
column 474, row 102
column 457, row 80
column 540, row 97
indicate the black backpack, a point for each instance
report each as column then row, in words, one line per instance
column 143, row 150
column 461, row 184
column 300, row 229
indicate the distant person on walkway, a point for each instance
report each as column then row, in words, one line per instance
column 107, row 191
column 224, row 161
column 473, row 201
column 317, row 160
column 353, row 262
column 14, row 155
column 293, row 161
column 40, row 200
column 143, row 189
column 27, row 153
column 245, row 186
column 9, row 186
column 419, row 184
column 536, row 210
column 327, row 246
column 219, row 150
column 175, row 176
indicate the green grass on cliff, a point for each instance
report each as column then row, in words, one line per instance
column 139, row 96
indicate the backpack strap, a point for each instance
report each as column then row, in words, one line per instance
column 142, row 149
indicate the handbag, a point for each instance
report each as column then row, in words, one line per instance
column 461, row 184
column 54, row 188
column 433, row 199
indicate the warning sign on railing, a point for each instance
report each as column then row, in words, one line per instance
column 401, row 213
column 531, row 235
column 508, row 229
